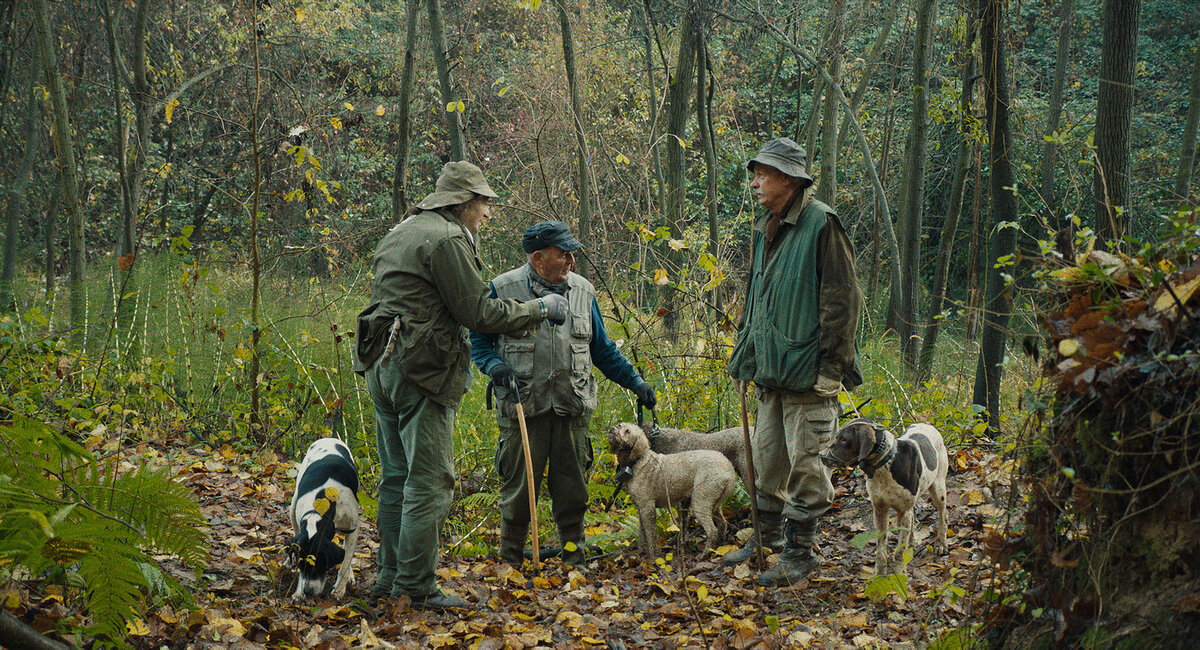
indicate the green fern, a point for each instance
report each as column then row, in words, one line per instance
column 67, row 517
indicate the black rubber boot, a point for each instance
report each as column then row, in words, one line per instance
column 572, row 534
column 772, row 534
column 512, row 542
column 797, row 559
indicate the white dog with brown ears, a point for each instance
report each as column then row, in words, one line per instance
column 898, row 470
column 705, row 477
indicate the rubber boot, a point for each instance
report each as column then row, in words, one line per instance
column 512, row 542
column 772, row 535
column 572, row 533
column 797, row 559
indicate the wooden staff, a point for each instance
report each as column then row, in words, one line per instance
column 752, row 488
column 533, row 522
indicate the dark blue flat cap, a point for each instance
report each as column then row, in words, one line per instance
column 549, row 233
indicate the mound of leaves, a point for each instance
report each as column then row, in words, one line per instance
column 1114, row 476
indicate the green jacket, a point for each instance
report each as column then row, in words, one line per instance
column 428, row 280
column 802, row 303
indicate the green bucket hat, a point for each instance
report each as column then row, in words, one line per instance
column 459, row 182
column 786, row 156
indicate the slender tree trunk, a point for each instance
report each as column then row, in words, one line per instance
column 64, row 145
column 454, row 126
column 652, row 109
column 583, row 176
column 827, row 181
column 16, row 203
column 974, row 249
column 868, row 69
column 950, row 229
column 912, row 190
column 403, row 116
column 49, row 237
column 811, row 127
column 998, row 305
column 1066, row 17
column 889, row 128
column 1187, row 157
column 256, row 424
column 773, row 90
column 1114, row 111
column 679, row 95
column 704, row 125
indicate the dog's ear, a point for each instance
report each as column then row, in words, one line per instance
column 332, row 554
column 866, row 440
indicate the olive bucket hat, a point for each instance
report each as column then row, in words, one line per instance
column 459, row 182
column 786, row 156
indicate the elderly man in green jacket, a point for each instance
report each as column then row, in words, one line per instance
column 796, row 344
column 414, row 352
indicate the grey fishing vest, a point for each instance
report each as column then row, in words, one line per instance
column 555, row 361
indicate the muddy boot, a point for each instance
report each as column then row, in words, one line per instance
column 797, row 559
column 772, row 535
column 572, row 534
column 512, row 542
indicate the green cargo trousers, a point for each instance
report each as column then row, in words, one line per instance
column 791, row 430
column 416, row 484
column 563, row 442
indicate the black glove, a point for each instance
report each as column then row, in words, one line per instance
column 645, row 395
column 503, row 376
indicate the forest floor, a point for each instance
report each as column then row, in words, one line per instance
column 684, row 600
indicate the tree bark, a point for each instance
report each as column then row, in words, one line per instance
column 652, row 101
column 454, row 126
column 679, row 95
column 827, row 181
column 998, row 304
column 705, row 127
column 1114, row 110
column 64, row 145
column 16, row 632
column 1187, row 157
column 583, row 175
column 403, row 116
column 1066, row 17
column 868, row 69
column 912, row 191
column 16, row 203
column 257, row 431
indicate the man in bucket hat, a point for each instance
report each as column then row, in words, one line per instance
column 553, row 369
column 413, row 350
column 796, row 343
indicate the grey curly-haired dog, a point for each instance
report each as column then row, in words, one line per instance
column 729, row 442
column 704, row 476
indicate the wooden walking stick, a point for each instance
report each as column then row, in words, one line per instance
column 752, row 488
column 529, row 484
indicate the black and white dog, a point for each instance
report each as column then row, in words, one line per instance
column 898, row 470
column 325, row 502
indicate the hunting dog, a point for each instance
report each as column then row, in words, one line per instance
column 729, row 442
column 325, row 502
column 898, row 470
column 663, row 480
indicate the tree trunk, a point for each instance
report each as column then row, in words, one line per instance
column 1187, row 158
column 912, row 191
column 808, row 138
column 403, row 117
column 679, row 95
column 16, row 204
column 705, row 127
column 1066, row 17
column 974, row 248
column 454, row 126
column 652, row 109
column 64, row 146
column 998, row 305
column 950, row 229
column 1114, row 110
column 583, row 175
column 868, row 69
column 257, row 431
column 49, row 237
column 827, row 181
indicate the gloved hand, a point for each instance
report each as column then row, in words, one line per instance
column 502, row 375
column 554, row 308
column 827, row 387
column 645, row 395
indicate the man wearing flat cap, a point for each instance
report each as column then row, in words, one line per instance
column 553, row 370
column 413, row 349
column 796, row 343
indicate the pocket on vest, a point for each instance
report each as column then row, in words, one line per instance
column 519, row 356
column 786, row 363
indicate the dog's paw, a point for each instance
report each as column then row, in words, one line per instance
column 339, row 592
column 940, row 548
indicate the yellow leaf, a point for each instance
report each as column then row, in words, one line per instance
column 451, row 107
column 379, row 110
column 622, row 159
column 12, row 600
column 570, row 547
column 331, row 493
column 701, row 592
column 321, row 506
column 136, row 627
column 169, row 108
column 503, row 91
column 677, row 245
column 975, row 498
column 660, row 277
column 300, row 14
column 337, row 124
column 1068, row 347
column 1166, row 302
column 348, row 106
column 541, row 582
column 461, row 106
column 165, row 170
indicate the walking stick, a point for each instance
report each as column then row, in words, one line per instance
column 529, row 484
column 753, row 489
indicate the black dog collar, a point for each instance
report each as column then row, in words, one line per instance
column 881, row 454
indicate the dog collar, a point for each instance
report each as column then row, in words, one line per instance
column 625, row 472
column 881, row 454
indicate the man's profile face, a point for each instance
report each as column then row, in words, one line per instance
column 475, row 214
column 771, row 187
column 553, row 263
